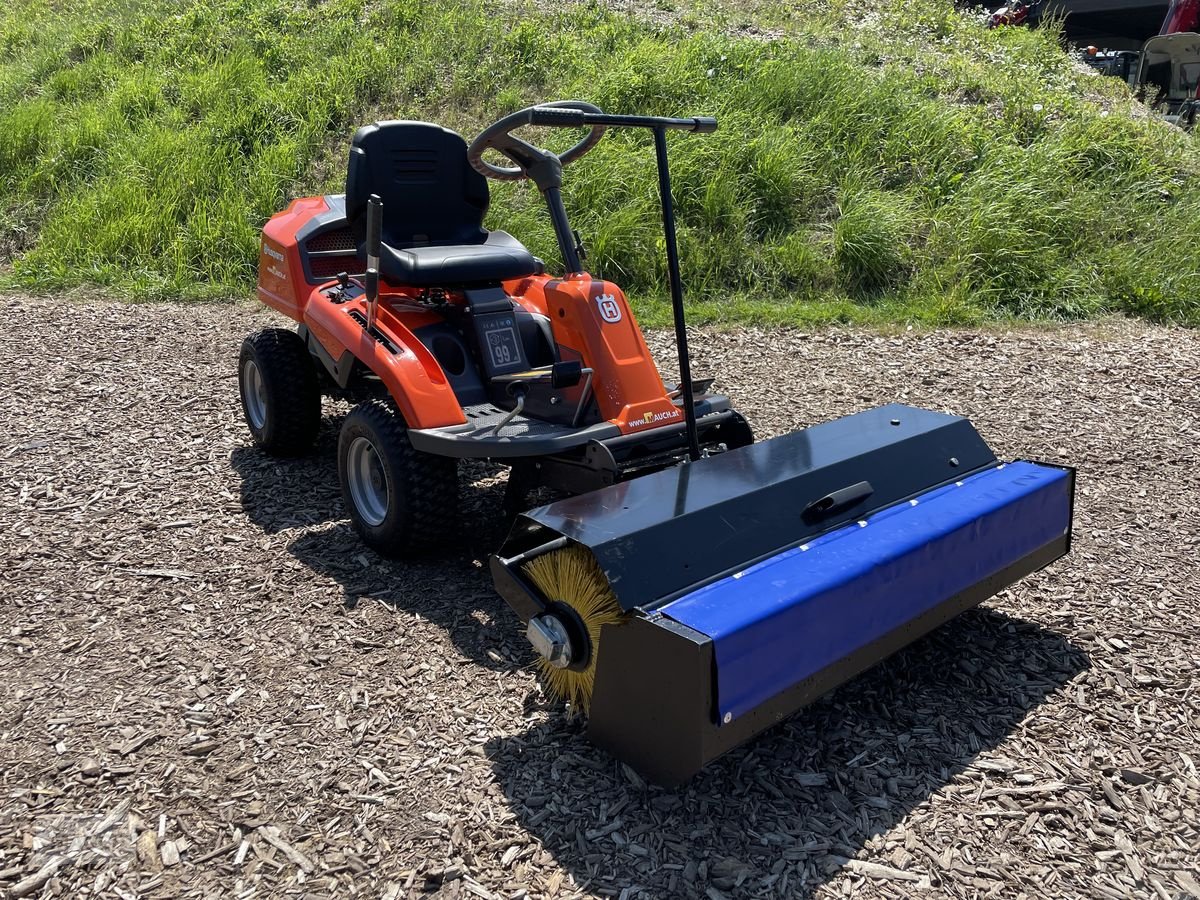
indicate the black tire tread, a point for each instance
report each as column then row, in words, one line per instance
column 427, row 486
column 293, row 391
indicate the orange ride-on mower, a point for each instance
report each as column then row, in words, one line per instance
column 695, row 587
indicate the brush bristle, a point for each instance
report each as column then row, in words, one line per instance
column 572, row 576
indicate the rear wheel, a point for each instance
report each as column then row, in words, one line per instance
column 402, row 502
column 281, row 399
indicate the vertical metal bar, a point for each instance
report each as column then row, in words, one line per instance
column 584, row 397
column 374, row 240
column 685, row 366
column 562, row 230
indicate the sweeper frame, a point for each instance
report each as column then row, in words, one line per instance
column 695, row 587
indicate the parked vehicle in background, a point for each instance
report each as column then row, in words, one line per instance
column 1182, row 15
column 1020, row 12
column 1121, row 64
column 1168, row 79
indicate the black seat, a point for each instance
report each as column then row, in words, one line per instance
column 433, row 208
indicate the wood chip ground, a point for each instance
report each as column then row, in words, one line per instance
column 209, row 688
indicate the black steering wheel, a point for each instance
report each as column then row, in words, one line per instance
column 498, row 136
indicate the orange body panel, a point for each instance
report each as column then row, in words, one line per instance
column 281, row 283
column 411, row 374
column 592, row 318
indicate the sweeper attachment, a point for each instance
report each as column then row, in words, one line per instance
column 691, row 608
column 695, row 587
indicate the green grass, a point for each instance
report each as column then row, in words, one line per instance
column 912, row 167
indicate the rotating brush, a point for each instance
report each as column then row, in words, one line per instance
column 572, row 576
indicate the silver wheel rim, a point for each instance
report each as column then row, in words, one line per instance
column 368, row 481
column 254, row 392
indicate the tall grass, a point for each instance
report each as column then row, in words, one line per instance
column 915, row 166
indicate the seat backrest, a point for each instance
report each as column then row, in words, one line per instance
column 430, row 193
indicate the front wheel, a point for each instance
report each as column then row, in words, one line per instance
column 402, row 502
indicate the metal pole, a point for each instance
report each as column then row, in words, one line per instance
column 685, row 366
column 374, row 239
column 562, row 230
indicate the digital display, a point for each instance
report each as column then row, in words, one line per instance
column 503, row 347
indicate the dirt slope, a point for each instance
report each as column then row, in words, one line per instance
column 193, row 641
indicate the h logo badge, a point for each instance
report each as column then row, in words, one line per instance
column 610, row 310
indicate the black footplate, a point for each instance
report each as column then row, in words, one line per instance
column 486, row 435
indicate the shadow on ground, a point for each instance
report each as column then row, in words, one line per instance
column 452, row 590
column 771, row 817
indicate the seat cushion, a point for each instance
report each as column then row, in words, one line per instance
column 500, row 256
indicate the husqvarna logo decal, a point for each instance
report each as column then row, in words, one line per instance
column 275, row 255
column 610, row 309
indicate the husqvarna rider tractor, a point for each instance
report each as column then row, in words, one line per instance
column 694, row 587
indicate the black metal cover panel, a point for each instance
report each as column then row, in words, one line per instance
column 660, row 535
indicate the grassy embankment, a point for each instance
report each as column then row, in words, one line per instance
column 913, row 167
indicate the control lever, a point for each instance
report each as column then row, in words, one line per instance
column 374, row 242
column 518, row 391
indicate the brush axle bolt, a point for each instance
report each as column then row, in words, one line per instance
column 549, row 638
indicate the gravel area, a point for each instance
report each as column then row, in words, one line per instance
column 209, row 688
